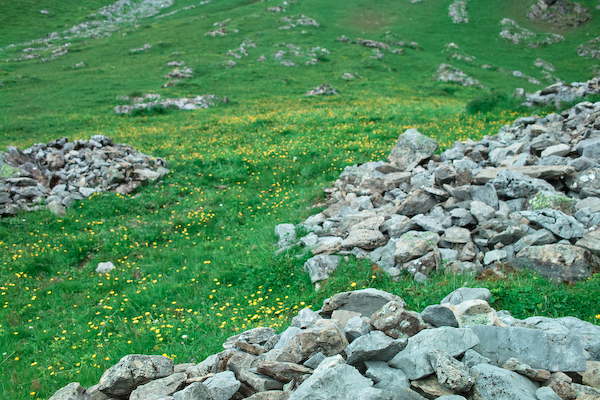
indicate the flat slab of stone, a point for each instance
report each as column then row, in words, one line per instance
column 541, row 350
column 335, row 383
column 364, row 301
column 533, row 171
column 132, row 371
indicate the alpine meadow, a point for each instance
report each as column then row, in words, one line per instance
column 195, row 251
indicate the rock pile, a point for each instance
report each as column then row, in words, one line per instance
column 151, row 101
column 57, row 174
column 448, row 73
column 323, row 90
column 591, row 49
column 516, row 34
column 561, row 92
column 560, row 13
column 528, row 197
column 365, row 345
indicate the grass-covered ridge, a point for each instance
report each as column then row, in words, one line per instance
column 195, row 253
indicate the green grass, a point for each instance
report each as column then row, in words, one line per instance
column 195, row 253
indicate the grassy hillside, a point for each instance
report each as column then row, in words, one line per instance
column 195, row 253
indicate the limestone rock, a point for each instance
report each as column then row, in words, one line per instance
column 319, row 267
column 73, row 391
column 560, row 262
column 334, row 383
column 411, row 148
column 159, row 387
column 451, row 373
column 374, row 346
column 364, row 301
column 395, row 321
column 132, row 371
column 496, row 383
column 465, row 293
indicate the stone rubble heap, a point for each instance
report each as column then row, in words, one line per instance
column 560, row 13
column 323, row 90
column 57, row 174
column 448, row 73
column 591, row 49
column 458, row 12
column 560, row 92
column 151, row 101
column 528, row 197
column 366, row 345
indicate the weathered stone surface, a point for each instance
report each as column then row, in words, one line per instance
column 515, row 365
column 195, row 391
column 560, row 262
column 386, row 377
column 286, row 234
column 222, row 386
column 561, row 384
column 513, row 184
column 334, row 383
column 546, row 393
column 465, row 293
column 132, row 371
column 438, row 315
column 477, row 311
column 430, row 387
column 591, row 376
column 481, row 211
column 590, row 241
column 365, row 239
column 450, row 373
column 395, row 321
column 260, row 336
column 539, row 349
column 374, row 346
column 319, row 267
column 457, row 235
column 325, row 336
column 364, row 301
column 418, row 202
column 411, row 148
column 305, row 318
column 73, row 391
column 590, row 178
column 557, row 222
column 414, row 361
column 540, row 237
column 282, row 371
column 160, row 387
column 414, row 244
column 270, row 395
column 499, row 384
column 356, row 327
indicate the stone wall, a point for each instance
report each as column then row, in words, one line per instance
column 365, row 345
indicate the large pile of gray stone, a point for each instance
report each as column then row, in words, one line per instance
column 57, row 174
column 366, row 345
column 560, row 92
column 528, row 197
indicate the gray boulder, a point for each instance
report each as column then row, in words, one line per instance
column 450, row 373
column 560, row 262
column 73, row 391
column 305, row 318
column 319, row 267
column 356, row 327
column 411, row 148
column 160, row 387
column 286, row 234
column 364, row 239
column 513, row 184
column 132, row 371
column 335, row 383
column 374, row 346
column 222, row 386
column 414, row 244
column 364, row 301
column 499, row 384
column 438, row 315
column 539, row 349
column 386, row 377
column 557, row 222
column 195, row 391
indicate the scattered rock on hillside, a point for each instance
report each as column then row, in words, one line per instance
column 560, row 13
column 497, row 362
column 591, row 49
column 150, row 101
column 145, row 47
column 526, row 197
column 323, row 90
column 516, row 34
column 57, row 174
column 458, row 12
column 448, row 73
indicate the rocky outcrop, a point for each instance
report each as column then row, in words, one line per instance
column 513, row 32
column 528, row 197
column 328, row 359
column 57, row 174
column 448, row 73
column 323, row 90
